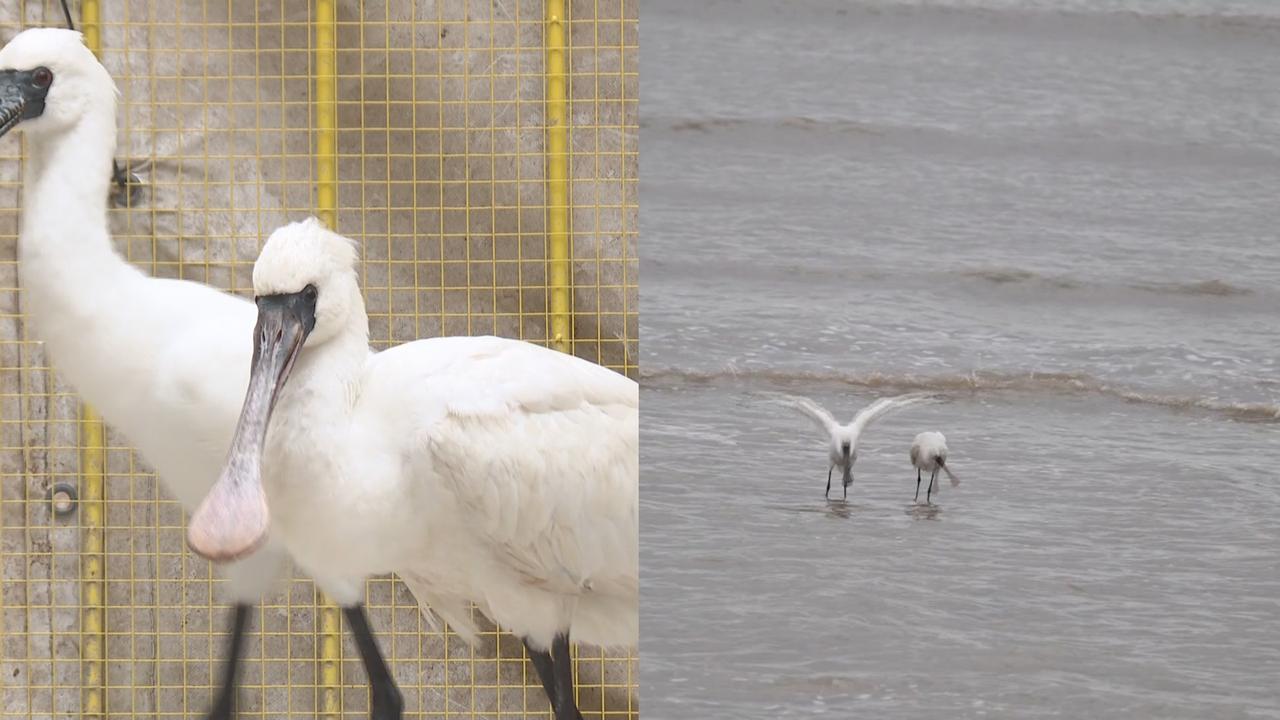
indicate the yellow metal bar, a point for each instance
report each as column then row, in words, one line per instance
column 93, row 641
column 91, row 25
column 326, row 124
column 330, row 658
column 92, row 605
column 326, row 113
column 558, row 233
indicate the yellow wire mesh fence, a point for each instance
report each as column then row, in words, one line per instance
column 438, row 150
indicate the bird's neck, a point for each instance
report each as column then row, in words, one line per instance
column 309, row 444
column 65, row 247
column 314, row 410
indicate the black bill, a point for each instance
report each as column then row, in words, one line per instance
column 22, row 94
column 232, row 520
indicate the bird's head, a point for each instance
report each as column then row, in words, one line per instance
column 49, row 81
column 308, row 273
column 306, row 292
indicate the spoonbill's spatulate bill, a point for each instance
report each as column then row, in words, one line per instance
column 479, row 469
column 843, row 439
column 164, row 361
column 929, row 454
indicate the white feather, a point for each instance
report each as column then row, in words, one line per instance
column 838, row 436
column 164, row 361
column 929, row 453
column 479, row 469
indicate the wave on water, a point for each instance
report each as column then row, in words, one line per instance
column 702, row 125
column 1251, row 20
column 1006, row 276
column 976, row 381
column 1215, row 288
column 1254, row 20
column 710, row 124
column 783, row 270
column 1203, row 288
column 779, row 133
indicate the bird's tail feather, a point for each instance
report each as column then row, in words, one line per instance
column 435, row 608
column 954, row 480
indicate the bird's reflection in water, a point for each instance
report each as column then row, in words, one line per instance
column 839, row 509
column 833, row 508
column 923, row 512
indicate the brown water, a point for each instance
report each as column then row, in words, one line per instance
column 1064, row 216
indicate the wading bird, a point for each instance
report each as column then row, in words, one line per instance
column 929, row 454
column 164, row 361
column 843, row 439
column 479, row 469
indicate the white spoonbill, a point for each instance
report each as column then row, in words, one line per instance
column 843, row 439
column 479, row 469
column 164, row 361
column 929, row 454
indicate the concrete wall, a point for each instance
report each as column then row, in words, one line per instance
column 441, row 131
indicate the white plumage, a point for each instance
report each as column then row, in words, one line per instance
column 479, row 469
column 164, row 361
column 929, row 454
column 842, row 440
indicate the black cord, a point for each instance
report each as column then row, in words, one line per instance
column 67, row 11
column 118, row 175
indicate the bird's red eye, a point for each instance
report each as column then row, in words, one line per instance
column 42, row 77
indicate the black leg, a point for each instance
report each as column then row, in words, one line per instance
column 917, row 497
column 230, row 671
column 932, row 479
column 565, row 706
column 385, row 701
column 541, row 660
column 828, row 493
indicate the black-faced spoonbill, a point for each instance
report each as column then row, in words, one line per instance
column 929, row 454
column 479, row 469
column 843, row 439
column 164, row 361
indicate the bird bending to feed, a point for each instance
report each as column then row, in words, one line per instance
column 929, row 454
column 478, row 469
column 843, row 439
column 164, row 361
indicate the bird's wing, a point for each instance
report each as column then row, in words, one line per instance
column 811, row 409
column 436, row 607
column 883, row 406
column 536, row 451
column 200, row 372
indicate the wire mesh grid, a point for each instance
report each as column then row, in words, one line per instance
column 441, row 176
